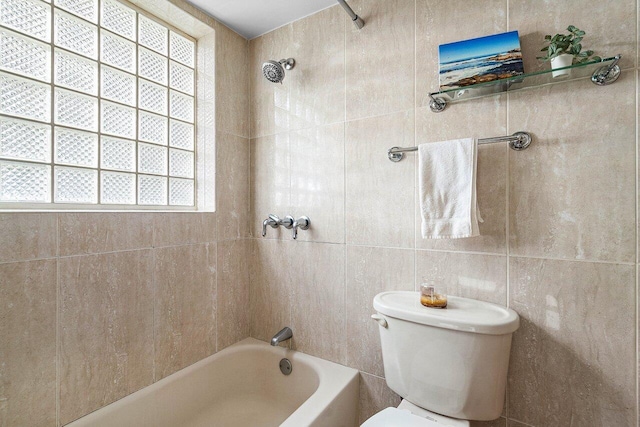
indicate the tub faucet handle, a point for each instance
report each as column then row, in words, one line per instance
column 272, row 221
column 303, row 223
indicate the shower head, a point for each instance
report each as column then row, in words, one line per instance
column 274, row 71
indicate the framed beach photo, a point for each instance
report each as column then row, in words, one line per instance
column 480, row 60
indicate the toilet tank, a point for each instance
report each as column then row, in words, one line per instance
column 451, row 361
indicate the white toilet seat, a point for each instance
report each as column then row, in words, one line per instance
column 409, row 415
column 394, row 417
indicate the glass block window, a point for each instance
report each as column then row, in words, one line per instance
column 97, row 107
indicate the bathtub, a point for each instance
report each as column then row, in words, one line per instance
column 241, row 386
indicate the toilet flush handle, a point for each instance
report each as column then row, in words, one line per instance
column 381, row 320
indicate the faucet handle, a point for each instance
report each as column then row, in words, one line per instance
column 272, row 220
column 303, row 223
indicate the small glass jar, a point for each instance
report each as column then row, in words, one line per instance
column 430, row 297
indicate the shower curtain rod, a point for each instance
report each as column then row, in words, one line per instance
column 359, row 23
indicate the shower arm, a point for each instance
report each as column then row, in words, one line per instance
column 359, row 23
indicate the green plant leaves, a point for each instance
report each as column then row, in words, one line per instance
column 563, row 43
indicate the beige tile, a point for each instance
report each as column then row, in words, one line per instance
column 232, row 83
column 500, row 422
column 106, row 329
column 28, row 349
column 375, row 396
column 573, row 360
column 232, row 186
column 572, row 190
column 380, row 197
column 270, row 183
column 270, row 108
column 317, row 181
column 233, row 292
column 481, row 277
column 181, row 228
column 90, row 233
column 185, row 306
column 270, row 287
column 380, row 58
column 31, row 236
column 369, row 272
column 318, row 79
column 318, row 300
column 514, row 423
column 443, row 21
column 533, row 19
column 492, row 168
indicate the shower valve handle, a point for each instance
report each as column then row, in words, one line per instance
column 303, row 223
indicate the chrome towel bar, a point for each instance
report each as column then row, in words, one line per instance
column 518, row 141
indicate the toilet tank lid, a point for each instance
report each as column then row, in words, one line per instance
column 462, row 314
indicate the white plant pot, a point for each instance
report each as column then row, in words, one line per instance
column 560, row 61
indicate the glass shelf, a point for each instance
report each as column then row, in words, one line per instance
column 602, row 72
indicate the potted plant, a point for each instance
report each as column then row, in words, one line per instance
column 564, row 50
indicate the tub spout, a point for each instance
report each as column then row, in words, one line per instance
column 285, row 334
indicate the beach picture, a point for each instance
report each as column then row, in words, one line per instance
column 480, row 60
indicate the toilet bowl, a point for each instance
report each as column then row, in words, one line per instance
column 449, row 365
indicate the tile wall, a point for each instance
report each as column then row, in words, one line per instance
column 94, row 306
column 559, row 239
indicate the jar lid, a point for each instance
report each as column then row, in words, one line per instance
column 462, row 314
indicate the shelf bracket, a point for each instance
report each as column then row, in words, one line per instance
column 437, row 105
column 607, row 74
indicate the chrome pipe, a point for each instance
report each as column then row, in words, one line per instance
column 357, row 21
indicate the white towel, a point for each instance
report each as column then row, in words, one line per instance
column 448, row 189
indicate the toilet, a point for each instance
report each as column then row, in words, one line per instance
column 449, row 365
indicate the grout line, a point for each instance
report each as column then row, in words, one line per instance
column 637, row 286
column 496, row 254
column 58, row 346
column 153, row 314
column 507, row 221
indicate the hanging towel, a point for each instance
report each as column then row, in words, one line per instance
column 448, row 189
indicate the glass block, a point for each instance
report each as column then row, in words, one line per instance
column 75, row 72
column 152, row 190
column 181, row 135
column 25, row 182
column 181, row 78
column 118, row 18
column 181, row 106
column 118, row 154
column 183, row 50
column 181, row 192
column 31, row 17
column 74, row 147
column 181, row 163
column 87, row 9
column 152, row 128
column 73, row 185
column 75, row 35
column 20, row 139
column 25, row 98
column 25, row 56
column 117, row 86
column 152, row 159
column 152, row 97
column 76, row 110
column 118, row 120
column 117, row 188
column 152, row 66
column 152, row 35
column 117, row 51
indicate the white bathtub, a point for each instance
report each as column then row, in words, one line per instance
column 241, row 386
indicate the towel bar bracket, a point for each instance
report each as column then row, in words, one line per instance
column 518, row 141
